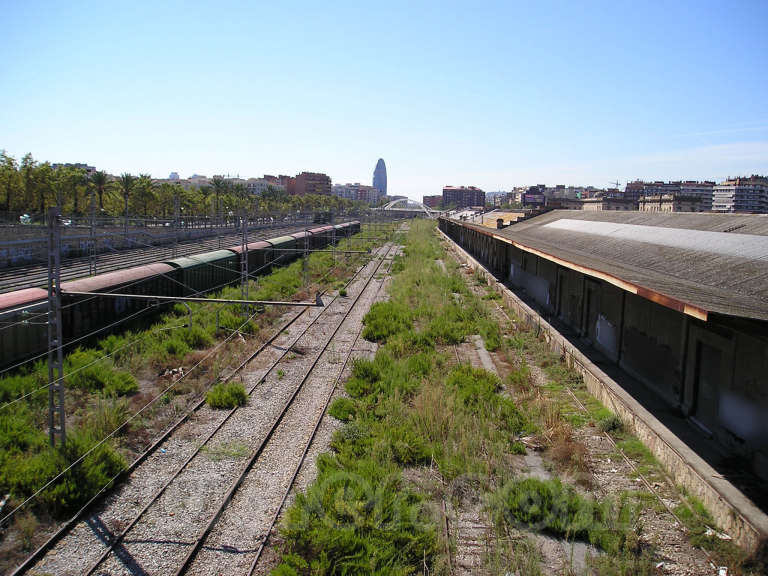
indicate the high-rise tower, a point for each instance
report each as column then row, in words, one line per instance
column 380, row 177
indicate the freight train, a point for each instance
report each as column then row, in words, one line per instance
column 23, row 313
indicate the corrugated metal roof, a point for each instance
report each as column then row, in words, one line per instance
column 714, row 262
column 102, row 281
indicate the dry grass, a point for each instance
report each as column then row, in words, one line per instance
column 26, row 524
column 570, row 455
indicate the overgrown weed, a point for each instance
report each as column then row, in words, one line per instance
column 226, row 395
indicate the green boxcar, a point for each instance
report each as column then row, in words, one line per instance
column 321, row 236
column 284, row 250
column 206, row 272
column 303, row 240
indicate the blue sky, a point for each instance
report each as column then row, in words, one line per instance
column 492, row 94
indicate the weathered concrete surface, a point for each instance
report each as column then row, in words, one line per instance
column 734, row 512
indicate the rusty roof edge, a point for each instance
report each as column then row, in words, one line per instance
column 647, row 293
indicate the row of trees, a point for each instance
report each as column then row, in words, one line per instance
column 30, row 186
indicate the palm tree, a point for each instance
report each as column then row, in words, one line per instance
column 146, row 191
column 205, row 191
column 126, row 183
column 102, row 184
column 219, row 188
column 11, row 178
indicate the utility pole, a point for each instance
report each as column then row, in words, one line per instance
column 92, row 239
column 244, row 263
column 305, row 263
column 55, row 341
column 175, row 223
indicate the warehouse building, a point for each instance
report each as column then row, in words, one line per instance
column 678, row 301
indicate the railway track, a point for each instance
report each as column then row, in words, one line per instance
column 30, row 276
column 163, row 514
column 217, row 547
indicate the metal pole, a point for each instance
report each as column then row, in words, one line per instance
column 92, row 240
column 175, row 224
column 55, row 354
column 244, row 264
column 305, row 264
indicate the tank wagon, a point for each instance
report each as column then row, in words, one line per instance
column 23, row 313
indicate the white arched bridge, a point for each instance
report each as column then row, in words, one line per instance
column 408, row 205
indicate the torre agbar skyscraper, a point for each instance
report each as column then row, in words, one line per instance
column 380, row 177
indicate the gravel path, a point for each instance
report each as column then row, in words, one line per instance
column 171, row 523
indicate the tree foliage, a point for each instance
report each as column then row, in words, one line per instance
column 31, row 186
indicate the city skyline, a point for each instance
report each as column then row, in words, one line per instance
column 158, row 89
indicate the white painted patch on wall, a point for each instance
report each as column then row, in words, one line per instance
column 605, row 334
column 742, row 416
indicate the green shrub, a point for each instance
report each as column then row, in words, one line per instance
column 697, row 520
column 121, row 384
column 611, row 423
column 196, row 337
column 555, row 508
column 19, row 432
column 385, row 319
column 517, row 448
column 87, row 370
column 226, row 395
column 447, row 329
column 118, row 348
column 107, row 414
column 354, row 439
column 474, row 387
column 23, row 474
column 520, row 379
column 173, row 347
column 87, row 478
column 407, row 446
column 342, row 409
column 357, row 518
column 16, row 385
column 491, row 333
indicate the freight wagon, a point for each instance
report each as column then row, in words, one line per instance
column 23, row 313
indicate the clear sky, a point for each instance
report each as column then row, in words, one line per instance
column 492, row 94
